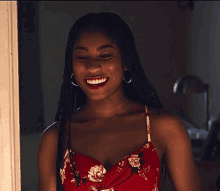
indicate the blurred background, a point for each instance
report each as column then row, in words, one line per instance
column 173, row 40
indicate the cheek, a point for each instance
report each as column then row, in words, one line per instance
column 77, row 67
column 116, row 71
column 78, row 70
column 116, row 65
column 115, row 68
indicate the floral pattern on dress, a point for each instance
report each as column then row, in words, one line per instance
column 96, row 173
column 95, row 177
column 63, row 170
column 134, row 161
column 155, row 189
column 92, row 188
column 147, row 145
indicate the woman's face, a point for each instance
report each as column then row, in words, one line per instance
column 95, row 59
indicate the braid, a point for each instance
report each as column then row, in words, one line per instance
column 72, row 97
column 75, row 175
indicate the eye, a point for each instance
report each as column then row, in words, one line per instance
column 82, row 58
column 105, row 55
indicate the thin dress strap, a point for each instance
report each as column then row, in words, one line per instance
column 148, row 124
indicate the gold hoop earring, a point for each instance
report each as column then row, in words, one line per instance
column 72, row 80
column 127, row 75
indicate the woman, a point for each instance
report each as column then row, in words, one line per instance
column 119, row 136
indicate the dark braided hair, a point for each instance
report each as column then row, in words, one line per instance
column 72, row 97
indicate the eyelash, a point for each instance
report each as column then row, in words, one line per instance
column 105, row 56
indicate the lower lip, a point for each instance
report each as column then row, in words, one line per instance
column 94, row 86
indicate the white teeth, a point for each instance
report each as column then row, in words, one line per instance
column 96, row 81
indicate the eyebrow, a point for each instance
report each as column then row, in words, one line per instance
column 99, row 48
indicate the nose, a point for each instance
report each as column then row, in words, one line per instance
column 94, row 66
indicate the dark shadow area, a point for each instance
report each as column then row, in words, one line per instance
column 30, row 92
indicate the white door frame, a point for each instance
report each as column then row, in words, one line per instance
column 10, row 174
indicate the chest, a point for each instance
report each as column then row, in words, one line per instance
column 110, row 141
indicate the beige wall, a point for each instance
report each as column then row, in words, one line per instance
column 9, row 99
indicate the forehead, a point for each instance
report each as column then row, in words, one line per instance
column 89, row 39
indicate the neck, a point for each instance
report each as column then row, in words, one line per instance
column 108, row 108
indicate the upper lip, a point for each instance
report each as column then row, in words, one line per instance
column 97, row 78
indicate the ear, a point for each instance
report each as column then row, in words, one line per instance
column 123, row 65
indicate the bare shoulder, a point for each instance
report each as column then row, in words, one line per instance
column 178, row 152
column 162, row 118
column 160, row 112
column 167, row 126
column 166, row 120
column 46, row 158
column 50, row 135
column 49, row 139
column 52, row 127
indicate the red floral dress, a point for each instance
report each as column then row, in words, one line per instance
column 137, row 171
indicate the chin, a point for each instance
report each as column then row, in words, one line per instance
column 97, row 98
column 102, row 94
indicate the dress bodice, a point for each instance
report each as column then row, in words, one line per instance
column 139, row 170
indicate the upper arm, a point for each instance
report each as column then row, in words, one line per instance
column 179, row 160
column 46, row 159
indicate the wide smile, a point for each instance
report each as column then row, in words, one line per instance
column 96, row 83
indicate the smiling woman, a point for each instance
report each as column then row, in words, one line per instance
column 111, row 132
column 102, row 60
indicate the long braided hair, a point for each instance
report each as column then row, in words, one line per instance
column 72, row 97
